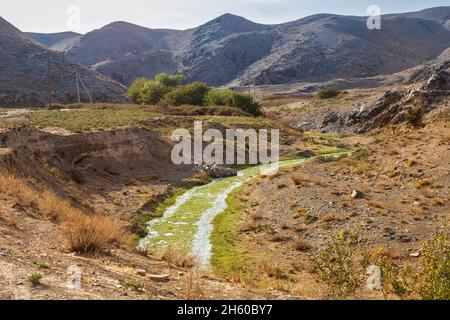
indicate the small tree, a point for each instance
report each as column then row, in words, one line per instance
column 135, row 89
column 328, row 93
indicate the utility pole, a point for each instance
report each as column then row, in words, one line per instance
column 49, row 79
column 78, row 89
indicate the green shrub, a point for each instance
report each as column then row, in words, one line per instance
column 190, row 94
column 152, row 92
column 434, row 277
column 35, row 278
column 230, row 98
column 130, row 284
column 219, row 97
column 430, row 280
column 41, row 264
column 169, row 80
column 336, row 267
column 328, row 93
column 135, row 89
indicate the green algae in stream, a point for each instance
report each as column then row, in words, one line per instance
column 187, row 227
column 230, row 259
column 179, row 223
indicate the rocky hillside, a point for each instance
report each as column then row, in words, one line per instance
column 231, row 50
column 24, row 73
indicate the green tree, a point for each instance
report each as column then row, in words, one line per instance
column 152, row 92
column 190, row 94
column 169, row 80
column 135, row 89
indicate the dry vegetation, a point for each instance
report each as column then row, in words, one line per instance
column 85, row 233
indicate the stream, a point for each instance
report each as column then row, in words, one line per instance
column 188, row 224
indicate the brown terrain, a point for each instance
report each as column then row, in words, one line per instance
column 78, row 183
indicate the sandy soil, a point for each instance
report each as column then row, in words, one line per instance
column 404, row 181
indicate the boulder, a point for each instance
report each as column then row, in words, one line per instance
column 218, row 171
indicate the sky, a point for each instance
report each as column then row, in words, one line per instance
column 82, row 16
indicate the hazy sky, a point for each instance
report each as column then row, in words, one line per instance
column 52, row 16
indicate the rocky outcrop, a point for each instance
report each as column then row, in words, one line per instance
column 395, row 105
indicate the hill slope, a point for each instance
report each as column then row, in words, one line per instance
column 61, row 41
column 24, row 73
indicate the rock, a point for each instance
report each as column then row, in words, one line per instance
column 306, row 154
column 331, row 117
column 404, row 238
column 141, row 272
column 218, row 171
column 357, row 194
column 159, row 278
column 374, row 279
column 415, row 254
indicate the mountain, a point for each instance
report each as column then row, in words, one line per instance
column 231, row 50
column 61, row 41
column 24, row 73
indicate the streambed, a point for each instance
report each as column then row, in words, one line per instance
column 187, row 225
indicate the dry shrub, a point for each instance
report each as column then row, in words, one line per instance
column 280, row 238
column 272, row 270
column 327, row 218
column 422, row 183
column 427, row 192
column 91, row 234
column 437, row 202
column 193, row 289
column 174, row 257
column 375, row 204
column 302, row 245
column 299, row 179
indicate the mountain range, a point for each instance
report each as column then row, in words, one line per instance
column 227, row 51
column 232, row 51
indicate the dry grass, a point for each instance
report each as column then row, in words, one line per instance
column 85, row 234
column 272, row 270
column 327, row 218
column 193, row 289
column 91, row 234
column 422, row 183
column 174, row 257
column 300, row 179
column 301, row 245
column 375, row 204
